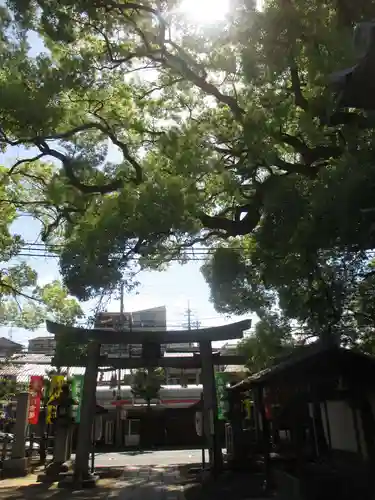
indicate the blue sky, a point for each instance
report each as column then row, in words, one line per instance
column 174, row 288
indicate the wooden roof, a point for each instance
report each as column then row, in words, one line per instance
column 315, row 358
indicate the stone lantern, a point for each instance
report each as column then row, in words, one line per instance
column 63, row 436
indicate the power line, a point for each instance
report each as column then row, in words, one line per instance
column 191, row 258
column 54, row 256
column 40, row 250
column 38, row 247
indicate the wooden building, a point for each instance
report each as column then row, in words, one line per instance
column 314, row 414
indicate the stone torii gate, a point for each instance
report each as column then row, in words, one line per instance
column 151, row 340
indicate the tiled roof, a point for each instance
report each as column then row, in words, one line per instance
column 303, row 354
column 4, row 342
column 23, row 372
column 33, row 358
column 11, row 370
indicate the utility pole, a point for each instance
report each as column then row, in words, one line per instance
column 189, row 316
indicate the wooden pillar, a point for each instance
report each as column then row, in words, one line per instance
column 88, row 406
column 210, row 407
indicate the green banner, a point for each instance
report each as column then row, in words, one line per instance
column 77, row 390
column 221, row 379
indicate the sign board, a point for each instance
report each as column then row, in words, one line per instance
column 221, row 379
column 199, row 423
column 77, row 390
column 57, row 381
column 35, row 391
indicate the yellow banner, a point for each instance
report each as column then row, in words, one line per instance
column 57, row 381
column 248, row 408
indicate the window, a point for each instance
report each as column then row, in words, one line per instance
column 108, row 436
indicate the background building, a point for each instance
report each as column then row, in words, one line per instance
column 42, row 345
column 8, row 347
column 147, row 319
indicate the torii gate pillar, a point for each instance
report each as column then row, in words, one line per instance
column 81, row 469
column 210, row 407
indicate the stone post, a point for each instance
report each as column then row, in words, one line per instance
column 61, row 449
column 18, row 464
column 210, row 407
column 88, row 406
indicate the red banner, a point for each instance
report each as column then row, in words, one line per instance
column 35, row 390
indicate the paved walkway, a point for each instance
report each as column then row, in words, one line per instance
column 145, row 482
column 148, row 483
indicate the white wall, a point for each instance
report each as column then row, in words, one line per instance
column 342, row 429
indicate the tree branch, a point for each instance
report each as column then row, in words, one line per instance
column 108, row 5
column 299, row 98
column 296, row 168
column 106, row 130
column 228, row 227
column 15, row 292
column 22, row 203
column 178, row 64
column 25, row 160
column 161, row 87
column 45, row 149
column 312, row 157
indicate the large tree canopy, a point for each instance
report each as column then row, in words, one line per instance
column 271, row 340
column 226, row 135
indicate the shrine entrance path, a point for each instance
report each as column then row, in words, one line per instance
column 149, row 482
column 158, row 482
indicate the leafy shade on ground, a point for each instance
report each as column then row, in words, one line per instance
column 222, row 134
column 28, row 489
